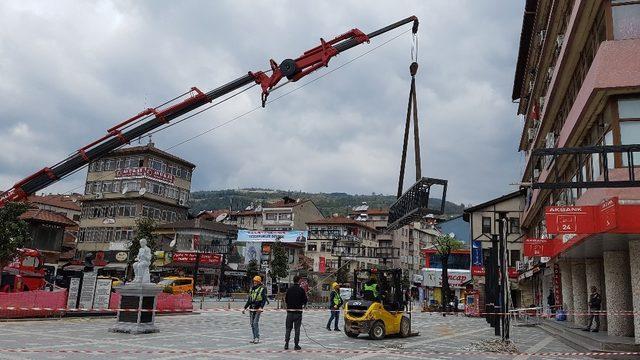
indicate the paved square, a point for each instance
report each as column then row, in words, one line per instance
column 226, row 334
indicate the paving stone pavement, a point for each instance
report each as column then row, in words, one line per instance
column 226, row 335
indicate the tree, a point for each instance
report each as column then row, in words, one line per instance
column 444, row 245
column 253, row 269
column 14, row 233
column 144, row 230
column 279, row 261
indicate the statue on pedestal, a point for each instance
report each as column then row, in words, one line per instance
column 141, row 266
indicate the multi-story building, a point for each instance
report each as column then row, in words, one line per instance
column 577, row 81
column 126, row 185
column 342, row 231
column 483, row 222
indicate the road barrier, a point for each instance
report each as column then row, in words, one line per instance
column 37, row 303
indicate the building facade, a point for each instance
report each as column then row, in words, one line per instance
column 483, row 225
column 128, row 184
column 578, row 84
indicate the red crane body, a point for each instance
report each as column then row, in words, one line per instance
column 153, row 118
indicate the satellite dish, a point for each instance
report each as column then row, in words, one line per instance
column 172, row 243
column 221, row 217
column 142, row 191
column 125, row 189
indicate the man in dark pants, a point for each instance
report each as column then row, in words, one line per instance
column 594, row 308
column 295, row 299
column 335, row 302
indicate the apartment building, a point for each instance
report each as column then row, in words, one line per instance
column 128, row 184
column 577, row 81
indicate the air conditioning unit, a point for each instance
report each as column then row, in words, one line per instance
column 551, row 140
column 99, row 195
column 543, row 35
column 532, row 133
column 559, row 40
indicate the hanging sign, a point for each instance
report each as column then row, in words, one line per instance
column 538, row 247
column 608, row 214
column 571, row 219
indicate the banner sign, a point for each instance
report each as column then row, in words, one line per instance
column 74, row 287
column 433, row 277
column 295, row 236
column 476, row 253
column 322, row 264
column 557, row 284
column 145, row 172
column 571, row 219
column 190, row 258
column 103, row 294
column 88, row 289
column 538, row 247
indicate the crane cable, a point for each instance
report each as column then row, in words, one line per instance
column 255, row 108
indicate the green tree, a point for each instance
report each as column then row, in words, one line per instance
column 14, row 233
column 444, row 245
column 144, row 230
column 279, row 261
column 253, row 269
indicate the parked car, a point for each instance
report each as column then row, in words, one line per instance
column 177, row 285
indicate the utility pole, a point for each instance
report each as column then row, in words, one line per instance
column 504, row 275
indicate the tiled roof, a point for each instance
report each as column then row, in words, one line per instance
column 61, row 201
column 372, row 212
column 39, row 215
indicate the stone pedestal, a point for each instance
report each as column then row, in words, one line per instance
column 567, row 291
column 634, row 266
column 618, row 293
column 579, row 285
column 137, row 308
column 595, row 277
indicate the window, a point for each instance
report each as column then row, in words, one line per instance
column 626, row 19
column 514, row 225
column 486, row 225
column 312, row 247
column 285, row 216
column 271, row 216
column 514, row 256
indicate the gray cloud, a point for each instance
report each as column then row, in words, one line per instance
column 72, row 69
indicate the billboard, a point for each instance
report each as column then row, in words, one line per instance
column 293, row 236
column 433, row 277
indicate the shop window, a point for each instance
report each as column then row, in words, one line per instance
column 514, row 256
column 626, row 19
column 486, row 225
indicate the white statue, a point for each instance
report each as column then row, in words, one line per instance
column 141, row 266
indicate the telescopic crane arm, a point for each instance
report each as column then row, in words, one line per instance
column 152, row 118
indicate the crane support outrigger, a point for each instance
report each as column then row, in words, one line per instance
column 153, row 118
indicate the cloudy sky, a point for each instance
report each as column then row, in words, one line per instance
column 71, row 69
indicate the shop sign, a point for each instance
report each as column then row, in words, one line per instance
column 121, row 256
column 476, row 253
column 477, row 270
column 295, row 236
column 570, row 219
column 608, row 214
column 145, row 172
column 235, row 273
column 433, row 277
column 538, row 247
column 557, row 284
column 190, row 258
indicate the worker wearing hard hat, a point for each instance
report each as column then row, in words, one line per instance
column 335, row 302
column 255, row 304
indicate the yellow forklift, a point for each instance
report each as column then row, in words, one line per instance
column 377, row 306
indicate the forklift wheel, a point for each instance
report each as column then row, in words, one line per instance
column 377, row 331
column 405, row 327
column 351, row 334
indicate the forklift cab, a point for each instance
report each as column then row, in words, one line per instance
column 377, row 305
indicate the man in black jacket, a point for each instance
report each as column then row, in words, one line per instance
column 595, row 301
column 295, row 299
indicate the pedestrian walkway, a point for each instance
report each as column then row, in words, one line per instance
column 227, row 334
